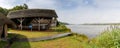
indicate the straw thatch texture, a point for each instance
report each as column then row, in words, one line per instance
column 32, row 13
column 5, row 20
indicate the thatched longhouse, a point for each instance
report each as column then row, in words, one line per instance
column 4, row 23
column 40, row 19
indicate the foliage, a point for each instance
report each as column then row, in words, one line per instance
column 20, row 7
column 3, row 11
column 61, row 28
column 108, row 39
column 63, row 23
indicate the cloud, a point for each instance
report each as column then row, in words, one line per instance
column 41, row 4
column 98, row 11
column 108, row 3
column 75, row 11
column 66, row 4
column 11, row 3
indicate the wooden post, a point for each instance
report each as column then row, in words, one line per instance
column 38, row 20
column 55, row 22
column 21, row 23
column 39, row 24
column 21, row 20
column 49, row 24
column 5, row 31
column 1, row 31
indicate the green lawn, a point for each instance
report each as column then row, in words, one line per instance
column 3, row 44
column 73, row 41
column 108, row 39
column 65, row 42
column 31, row 34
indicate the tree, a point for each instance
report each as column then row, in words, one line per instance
column 20, row 7
column 25, row 6
column 6, row 11
column 3, row 11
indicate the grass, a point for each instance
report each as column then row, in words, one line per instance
column 3, row 44
column 108, row 39
column 73, row 41
column 65, row 42
column 31, row 34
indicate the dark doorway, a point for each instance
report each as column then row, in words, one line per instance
column 3, row 32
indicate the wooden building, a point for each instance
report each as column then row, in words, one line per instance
column 40, row 19
column 4, row 24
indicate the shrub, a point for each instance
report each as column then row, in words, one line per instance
column 61, row 28
column 108, row 39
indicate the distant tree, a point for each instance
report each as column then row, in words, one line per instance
column 62, row 23
column 25, row 6
column 3, row 11
column 20, row 7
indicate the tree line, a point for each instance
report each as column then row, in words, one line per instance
column 18, row 7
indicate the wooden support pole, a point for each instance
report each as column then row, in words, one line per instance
column 5, row 31
column 39, row 24
column 49, row 24
column 21, row 23
column 1, row 31
column 21, row 20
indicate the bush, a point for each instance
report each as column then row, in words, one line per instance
column 61, row 28
column 108, row 39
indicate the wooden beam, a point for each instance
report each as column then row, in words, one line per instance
column 34, row 20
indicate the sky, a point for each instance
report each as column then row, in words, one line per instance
column 75, row 11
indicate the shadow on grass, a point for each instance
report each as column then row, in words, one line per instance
column 13, row 41
column 2, row 44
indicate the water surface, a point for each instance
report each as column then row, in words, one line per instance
column 90, row 30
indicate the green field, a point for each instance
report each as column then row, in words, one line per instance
column 72, row 41
column 108, row 39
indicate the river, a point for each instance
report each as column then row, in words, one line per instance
column 89, row 30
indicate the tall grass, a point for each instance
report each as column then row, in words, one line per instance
column 108, row 39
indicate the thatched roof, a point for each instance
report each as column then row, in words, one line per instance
column 5, row 20
column 32, row 13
